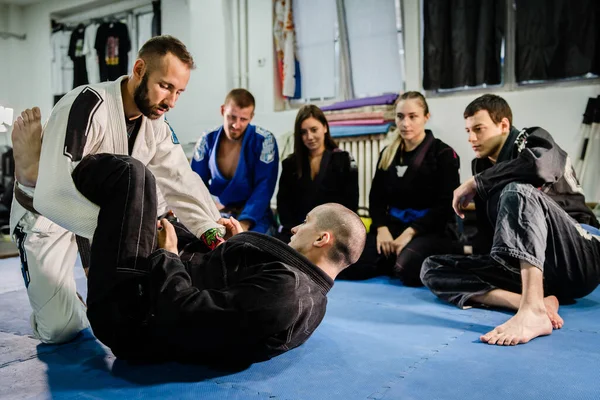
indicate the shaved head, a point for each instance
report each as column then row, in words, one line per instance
column 348, row 231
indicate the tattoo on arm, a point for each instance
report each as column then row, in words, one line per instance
column 212, row 238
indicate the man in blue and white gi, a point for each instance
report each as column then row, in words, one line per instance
column 239, row 163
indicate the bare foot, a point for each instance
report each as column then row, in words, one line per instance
column 525, row 325
column 551, row 303
column 27, row 146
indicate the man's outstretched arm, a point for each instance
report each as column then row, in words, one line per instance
column 184, row 190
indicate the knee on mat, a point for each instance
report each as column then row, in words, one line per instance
column 360, row 272
column 428, row 270
column 59, row 331
column 409, row 273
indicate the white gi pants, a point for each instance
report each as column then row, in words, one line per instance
column 48, row 254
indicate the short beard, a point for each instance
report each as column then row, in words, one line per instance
column 238, row 139
column 140, row 97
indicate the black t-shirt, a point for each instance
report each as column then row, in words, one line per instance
column 336, row 182
column 80, row 76
column 404, row 157
column 133, row 127
column 112, row 45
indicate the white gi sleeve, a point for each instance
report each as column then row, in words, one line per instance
column 183, row 189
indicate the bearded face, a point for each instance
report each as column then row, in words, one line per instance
column 143, row 102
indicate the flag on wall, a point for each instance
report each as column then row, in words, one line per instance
column 285, row 45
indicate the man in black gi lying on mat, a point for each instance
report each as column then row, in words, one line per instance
column 156, row 293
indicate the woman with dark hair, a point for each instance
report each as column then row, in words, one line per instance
column 411, row 198
column 317, row 172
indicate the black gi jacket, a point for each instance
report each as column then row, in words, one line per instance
column 336, row 182
column 529, row 156
column 250, row 299
column 428, row 187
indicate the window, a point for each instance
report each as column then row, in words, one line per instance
column 474, row 44
column 348, row 48
column 557, row 40
column 375, row 41
column 316, row 41
column 462, row 43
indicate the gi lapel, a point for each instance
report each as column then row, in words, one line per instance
column 414, row 166
column 313, row 194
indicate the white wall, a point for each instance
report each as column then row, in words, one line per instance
column 202, row 26
column 27, row 81
column 11, row 20
column 28, row 73
column 206, row 28
column 3, row 55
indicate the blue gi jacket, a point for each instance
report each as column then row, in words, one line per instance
column 253, row 183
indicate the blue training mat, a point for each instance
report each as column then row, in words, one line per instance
column 379, row 340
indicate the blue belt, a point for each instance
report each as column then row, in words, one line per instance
column 407, row 215
column 591, row 229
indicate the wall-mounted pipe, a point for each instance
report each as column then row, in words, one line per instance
column 243, row 42
column 8, row 35
column 237, row 77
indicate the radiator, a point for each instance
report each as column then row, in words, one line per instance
column 365, row 150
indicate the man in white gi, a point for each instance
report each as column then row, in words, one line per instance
column 123, row 117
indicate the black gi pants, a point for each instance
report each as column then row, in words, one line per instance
column 406, row 266
column 250, row 299
column 118, row 296
column 529, row 227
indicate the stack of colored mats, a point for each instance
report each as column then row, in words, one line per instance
column 366, row 116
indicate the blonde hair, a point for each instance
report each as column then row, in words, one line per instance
column 390, row 151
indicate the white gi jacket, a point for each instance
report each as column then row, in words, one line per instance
column 90, row 120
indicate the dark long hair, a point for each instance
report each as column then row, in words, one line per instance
column 300, row 150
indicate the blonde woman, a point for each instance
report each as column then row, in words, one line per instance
column 410, row 199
